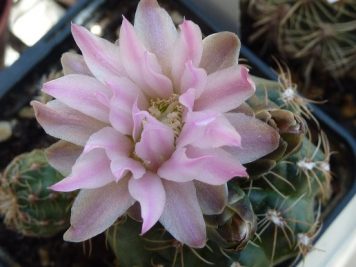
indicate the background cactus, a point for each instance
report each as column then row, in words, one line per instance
column 26, row 203
column 319, row 33
column 269, row 218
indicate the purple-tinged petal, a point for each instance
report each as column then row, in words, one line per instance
column 137, row 117
column 65, row 123
column 188, row 47
column 210, row 166
column 182, row 216
column 91, row 170
column 156, row 29
column 95, row 210
column 83, row 93
column 212, row 198
column 113, row 142
column 208, row 130
column 220, row 50
column 74, row 64
column 101, row 56
column 226, row 89
column 150, row 192
column 193, row 78
column 156, row 144
column 257, row 138
column 62, row 156
column 142, row 66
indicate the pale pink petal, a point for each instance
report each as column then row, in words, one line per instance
column 208, row 130
column 95, row 210
column 113, row 142
column 137, row 117
column 125, row 93
column 62, row 156
column 91, row 170
column 150, row 193
column 157, row 31
column 83, row 93
column 142, row 66
column 121, row 166
column 158, row 84
column 226, row 89
column 74, row 64
column 65, row 123
column 188, row 47
column 156, row 144
column 120, row 119
column 118, row 148
column 211, row 166
column 193, row 78
column 101, row 56
column 182, row 216
column 187, row 99
column 212, row 198
column 220, row 51
column 257, row 138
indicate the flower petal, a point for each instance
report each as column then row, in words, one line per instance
column 65, row 123
column 257, row 138
column 74, row 64
column 193, row 78
column 95, row 210
column 156, row 144
column 83, row 93
column 101, row 56
column 91, row 170
column 226, row 89
column 62, row 156
column 150, row 193
column 211, row 166
column 156, row 29
column 118, row 148
column 220, row 50
column 212, row 198
column 188, row 47
column 142, row 66
column 208, row 130
column 182, row 216
column 111, row 141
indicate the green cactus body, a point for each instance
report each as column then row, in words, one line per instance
column 26, row 203
column 269, row 218
column 319, row 33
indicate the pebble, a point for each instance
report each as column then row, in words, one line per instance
column 5, row 130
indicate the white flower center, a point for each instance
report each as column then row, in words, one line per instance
column 168, row 111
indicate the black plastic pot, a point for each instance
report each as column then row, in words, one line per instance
column 40, row 58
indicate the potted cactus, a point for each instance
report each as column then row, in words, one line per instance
column 187, row 164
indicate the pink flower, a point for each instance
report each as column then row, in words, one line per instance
column 150, row 120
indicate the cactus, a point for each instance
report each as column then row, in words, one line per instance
column 269, row 218
column 319, row 33
column 26, row 203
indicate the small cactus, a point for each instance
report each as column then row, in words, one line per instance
column 26, row 204
column 319, row 33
